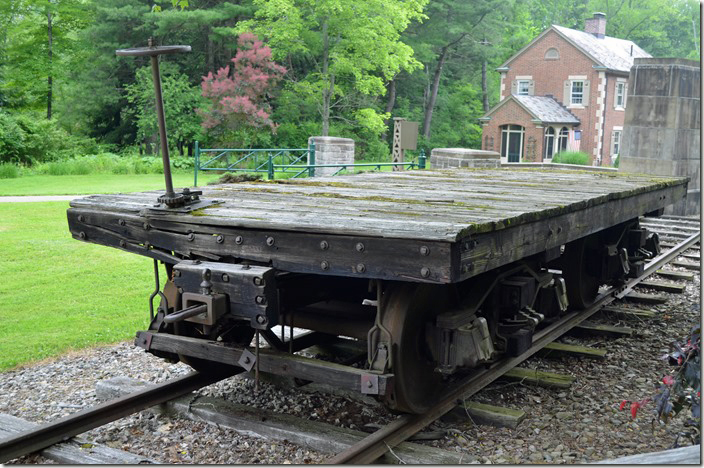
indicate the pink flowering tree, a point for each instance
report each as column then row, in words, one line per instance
column 239, row 93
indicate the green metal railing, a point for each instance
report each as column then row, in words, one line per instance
column 420, row 164
column 283, row 161
column 250, row 160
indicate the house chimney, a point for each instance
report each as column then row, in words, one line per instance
column 596, row 25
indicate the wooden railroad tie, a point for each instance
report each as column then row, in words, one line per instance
column 677, row 275
column 554, row 350
column 668, row 244
column 315, row 435
column 663, row 286
column 540, row 378
column 74, row 451
column 679, row 456
column 487, row 415
column 687, row 265
column 623, row 313
column 646, row 298
column 696, row 257
column 591, row 329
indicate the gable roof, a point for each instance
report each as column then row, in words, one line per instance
column 544, row 109
column 609, row 52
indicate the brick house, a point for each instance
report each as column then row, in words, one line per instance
column 565, row 90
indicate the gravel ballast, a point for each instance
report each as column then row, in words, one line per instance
column 581, row 424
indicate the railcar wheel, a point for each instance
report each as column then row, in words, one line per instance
column 408, row 307
column 578, row 270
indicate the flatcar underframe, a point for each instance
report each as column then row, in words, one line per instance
column 437, row 272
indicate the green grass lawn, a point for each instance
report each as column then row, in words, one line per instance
column 58, row 293
column 96, row 183
column 111, row 183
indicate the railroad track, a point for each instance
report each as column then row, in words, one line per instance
column 374, row 446
column 58, row 431
column 369, row 449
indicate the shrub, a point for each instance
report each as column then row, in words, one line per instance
column 29, row 138
column 9, row 171
column 69, row 167
column 617, row 160
column 108, row 163
column 572, row 157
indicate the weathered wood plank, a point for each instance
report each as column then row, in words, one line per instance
column 673, row 241
column 488, row 415
column 473, row 219
column 540, row 378
column 502, row 246
column 678, row 275
column 269, row 361
column 687, row 265
column 680, row 456
column 554, row 350
column 646, row 298
column 470, row 192
column 622, row 312
column 311, row 434
column 299, row 252
column 662, row 286
column 589, row 328
column 75, row 451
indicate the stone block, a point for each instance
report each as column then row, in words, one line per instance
column 442, row 158
column 651, row 81
column 689, row 114
column 331, row 150
column 654, row 111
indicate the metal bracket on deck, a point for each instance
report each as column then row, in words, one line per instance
column 194, row 203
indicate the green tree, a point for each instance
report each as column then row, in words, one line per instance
column 205, row 25
column 349, row 49
column 457, row 44
column 181, row 99
column 39, row 40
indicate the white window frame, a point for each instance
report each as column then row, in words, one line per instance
column 549, row 135
column 523, row 85
column 616, row 141
column 508, row 130
column 580, row 101
column 562, row 138
column 620, row 92
column 550, row 55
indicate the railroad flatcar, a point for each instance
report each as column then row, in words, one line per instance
column 435, row 272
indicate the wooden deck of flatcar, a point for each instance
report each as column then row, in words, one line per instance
column 429, row 226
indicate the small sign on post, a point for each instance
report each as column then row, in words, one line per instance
column 405, row 137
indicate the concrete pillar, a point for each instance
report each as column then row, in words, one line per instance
column 661, row 133
column 446, row 158
column 331, row 150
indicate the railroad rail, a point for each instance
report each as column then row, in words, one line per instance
column 45, row 435
column 374, row 446
column 371, row 448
